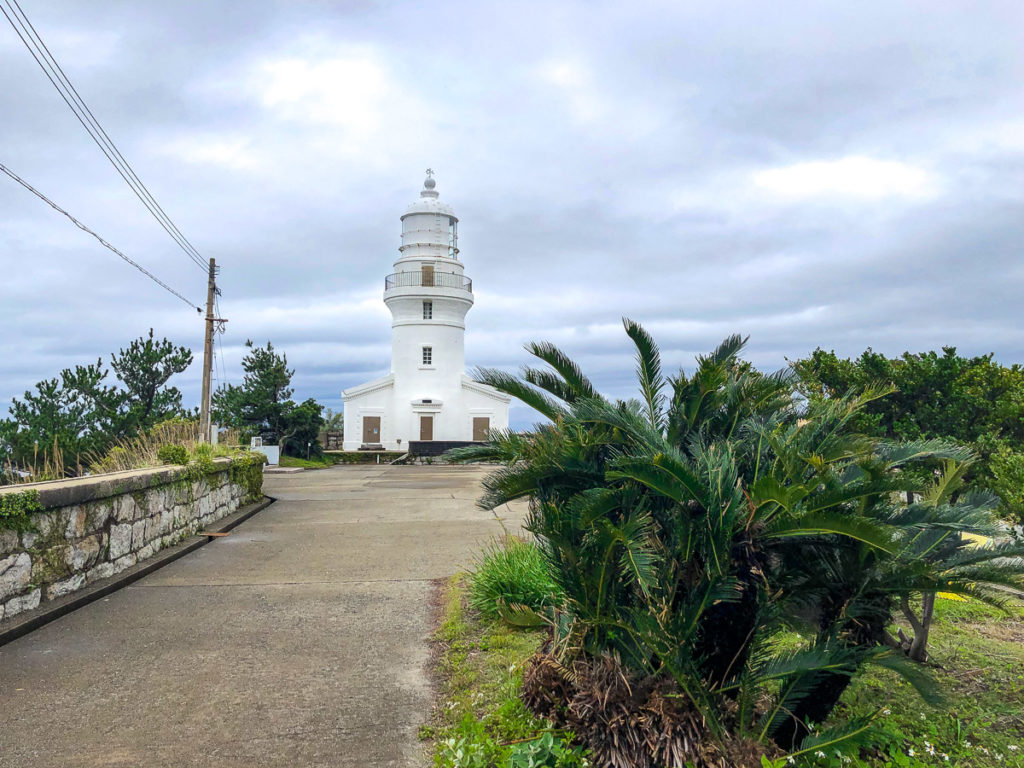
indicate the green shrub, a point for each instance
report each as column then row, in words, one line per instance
column 511, row 572
column 546, row 752
column 16, row 510
column 172, row 454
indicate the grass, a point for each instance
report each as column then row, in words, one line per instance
column 976, row 654
column 314, row 463
column 330, row 458
column 979, row 653
column 480, row 721
column 511, row 572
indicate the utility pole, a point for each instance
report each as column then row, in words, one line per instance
column 204, row 406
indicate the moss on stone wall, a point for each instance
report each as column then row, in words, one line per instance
column 16, row 510
column 247, row 471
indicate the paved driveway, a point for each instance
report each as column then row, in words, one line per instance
column 298, row 640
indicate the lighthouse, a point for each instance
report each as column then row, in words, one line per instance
column 427, row 397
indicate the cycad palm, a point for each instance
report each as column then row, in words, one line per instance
column 683, row 526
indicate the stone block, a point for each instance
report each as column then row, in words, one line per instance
column 61, row 588
column 124, row 562
column 15, row 574
column 160, row 499
column 166, row 521
column 139, row 534
column 24, row 603
column 145, row 553
column 120, row 541
column 152, row 529
column 125, row 508
column 48, row 522
column 75, row 528
column 98, row 514
column 29, row 539
column 85, row 553
column 101, row 571
column 9, row 541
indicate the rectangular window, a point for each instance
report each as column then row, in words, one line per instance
column 428, row 355
column 428, row 310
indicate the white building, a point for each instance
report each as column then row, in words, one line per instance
column 427, row 396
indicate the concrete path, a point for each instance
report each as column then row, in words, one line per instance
column 298, row 640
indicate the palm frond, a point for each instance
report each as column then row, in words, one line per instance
column 949, row 481
column 851, row 734
column 510, row 385
column 566, row 367
column 648, row 372
column 902, row 453
column 915, row 674
column 727, row 351
column 829, row 522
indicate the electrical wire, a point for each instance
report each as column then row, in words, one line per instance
column 52, row 69
column 104, row 243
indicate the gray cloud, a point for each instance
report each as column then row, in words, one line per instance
column 604, row 160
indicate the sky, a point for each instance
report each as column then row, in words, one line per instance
column 835, row 175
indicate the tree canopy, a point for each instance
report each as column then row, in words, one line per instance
column 80, row 413
column 974, row 401
column 262, row 404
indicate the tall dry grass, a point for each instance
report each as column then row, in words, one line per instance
column 141, row 451
column 45, row 466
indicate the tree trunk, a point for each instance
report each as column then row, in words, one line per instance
column 919, row 648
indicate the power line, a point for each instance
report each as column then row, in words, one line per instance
column 52, row 69
column 103, row 242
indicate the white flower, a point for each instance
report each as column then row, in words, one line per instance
column 967, row 744
column 819, row 753
column 790, row 760
column 910, row 751
column 945, row 757
column 1012, row 747
column 886, row 711
column 923, row 717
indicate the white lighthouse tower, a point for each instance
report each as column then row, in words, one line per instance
column 427, row 397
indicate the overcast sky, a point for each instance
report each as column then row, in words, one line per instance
column 841, row 175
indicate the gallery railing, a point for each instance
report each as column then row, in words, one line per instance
column 419, row 279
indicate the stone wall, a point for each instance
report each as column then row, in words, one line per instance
column 91, row 528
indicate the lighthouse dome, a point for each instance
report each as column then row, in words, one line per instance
column 428, row 202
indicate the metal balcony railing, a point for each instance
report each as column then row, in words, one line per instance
column 419, row 279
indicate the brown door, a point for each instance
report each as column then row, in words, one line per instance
column 371, row 430
column 426, row 427
column 481, row 425
column 428, row 275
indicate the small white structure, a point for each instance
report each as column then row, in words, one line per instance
column 272, row 452
column 427, row 396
